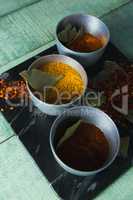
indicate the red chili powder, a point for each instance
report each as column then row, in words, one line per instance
column 86, row 150
column 86, row 43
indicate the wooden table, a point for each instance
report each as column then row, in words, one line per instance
column 27, row 28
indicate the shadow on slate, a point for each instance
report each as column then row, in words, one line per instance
column 33, row 129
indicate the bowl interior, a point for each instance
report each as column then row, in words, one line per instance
column 64, row 59
column 89, row 23
column 93, row 116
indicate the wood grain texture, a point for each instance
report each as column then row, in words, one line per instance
column 9, row 6
column 20, row 177
column 121, row 189
column 33, row 27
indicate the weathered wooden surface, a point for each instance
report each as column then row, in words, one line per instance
column 6, row 7
column 33, row 27
column 5, row 129
column 121, row 189
column 20, row 178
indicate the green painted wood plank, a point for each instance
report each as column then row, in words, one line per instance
column 5, row 129
column 17, row 61
column 12, row 5
column 121, row 189
column 33, row 27
column 120, row 23
column 20, row 177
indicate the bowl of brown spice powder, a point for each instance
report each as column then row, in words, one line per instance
column 83, row 37
column 84, row 140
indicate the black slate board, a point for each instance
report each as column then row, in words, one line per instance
column 33, row 129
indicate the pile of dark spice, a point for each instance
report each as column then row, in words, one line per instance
column 87, row 149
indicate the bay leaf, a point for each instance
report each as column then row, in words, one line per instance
column 64, row 34
column 25, row 74
column 72, row 34
column 69, row 34
column 37, row 79
column 80, row 32
column 68, row 27
column 69, row 133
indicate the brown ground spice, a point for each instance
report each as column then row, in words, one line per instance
column 86, row 150
column 87, row 43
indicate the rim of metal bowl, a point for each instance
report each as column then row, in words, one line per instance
column 59, row 105
column 78, row 52
column 72, row 170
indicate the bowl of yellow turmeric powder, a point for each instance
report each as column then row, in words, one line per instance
column 83, row 37
column 56, row 83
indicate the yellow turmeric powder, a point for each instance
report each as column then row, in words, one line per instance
column 66, row 89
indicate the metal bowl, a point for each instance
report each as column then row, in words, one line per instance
column 99, row 119
column 52, row 109
column 90, row 24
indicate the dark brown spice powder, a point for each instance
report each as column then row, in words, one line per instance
column 86, row 150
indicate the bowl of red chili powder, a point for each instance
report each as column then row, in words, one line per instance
column 83, row 37
column 84, row 140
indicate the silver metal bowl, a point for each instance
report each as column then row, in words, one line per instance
column 99, row 119
column 90, row 24
column 52, row 109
